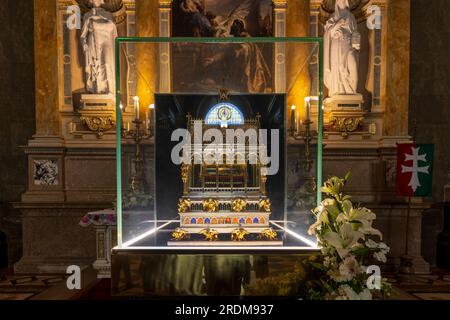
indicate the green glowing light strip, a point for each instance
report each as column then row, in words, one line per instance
column 118, row 148
column 320, row 125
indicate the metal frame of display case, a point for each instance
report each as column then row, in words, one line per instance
column 120, row 40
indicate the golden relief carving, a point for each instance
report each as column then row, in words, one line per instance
column 99, row 124
column 346, row 125
column 184, row 172
column 239, row 234
column 239, row 205
column 184, row 205
column 210, row 205
column 210, row 234
column 268, row 234
column 265, row 205
column 180, row 234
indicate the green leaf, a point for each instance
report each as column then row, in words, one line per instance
column 318, row 266
column 348, row 176
column 361, row 251
column 333, row 209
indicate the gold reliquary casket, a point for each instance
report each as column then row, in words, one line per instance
column 224, row 184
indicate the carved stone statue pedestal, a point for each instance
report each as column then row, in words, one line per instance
column 97, row 100
column 346, row 114
column 98, row 113
column 353, row 101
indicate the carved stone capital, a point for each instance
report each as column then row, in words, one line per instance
column 280, row 4
column 165, row 4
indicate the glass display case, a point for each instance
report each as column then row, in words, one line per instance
column 219, row 151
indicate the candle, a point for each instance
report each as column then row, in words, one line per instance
column 136, row 107
column 308, row 107
column 293, row 118
column 152, row 114
column 73, row 127
column 147, row 122
column 128, row 126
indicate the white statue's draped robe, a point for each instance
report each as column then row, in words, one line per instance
column 341, row 45
column 98, row 38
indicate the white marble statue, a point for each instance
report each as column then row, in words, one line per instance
column 98, row 39
column 342, row 43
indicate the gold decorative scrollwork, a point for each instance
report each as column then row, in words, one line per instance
column 239, row 234
column 239, row 205
column 265, row 205
column 210, row 234
column 98, row 124
column 346, row 125
column 184, row 205
column 268, row 234
column 210, row 205
column 180, row 234
column 184, row 172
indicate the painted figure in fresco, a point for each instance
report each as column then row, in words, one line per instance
column 218, row 65
column 98, row 38
column 196, row 19
column 256, row 76
column 257, row 73
column 342, row 43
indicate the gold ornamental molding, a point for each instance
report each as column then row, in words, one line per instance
column 184, row 205
column 180, row 234
column 165, row 3
column 210, row 205
column 239, row 234
column 280, row 4
column 210, row 234
column 346, row 125
column 265, row 205
column 268, row 234
column 99, row 124
column 239, row 205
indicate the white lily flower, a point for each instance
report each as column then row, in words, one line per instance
column 344, row 240
column 322, row 218
column 371, row 244
column 380, row 256
column 348, row 269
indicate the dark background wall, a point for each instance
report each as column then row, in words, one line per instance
column 17, row 122
column 430, row 83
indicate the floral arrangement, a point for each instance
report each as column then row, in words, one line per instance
column 347, row 241
column 348, row 245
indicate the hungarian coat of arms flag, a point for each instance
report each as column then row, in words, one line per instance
column 414, row 169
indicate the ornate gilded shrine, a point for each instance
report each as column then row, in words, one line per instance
column 229, row 192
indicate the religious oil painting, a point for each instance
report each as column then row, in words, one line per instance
column 200, row 68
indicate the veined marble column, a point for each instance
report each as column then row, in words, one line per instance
column 398, row 58
column 147, row 25
column 298, row 82
column 46, row 68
